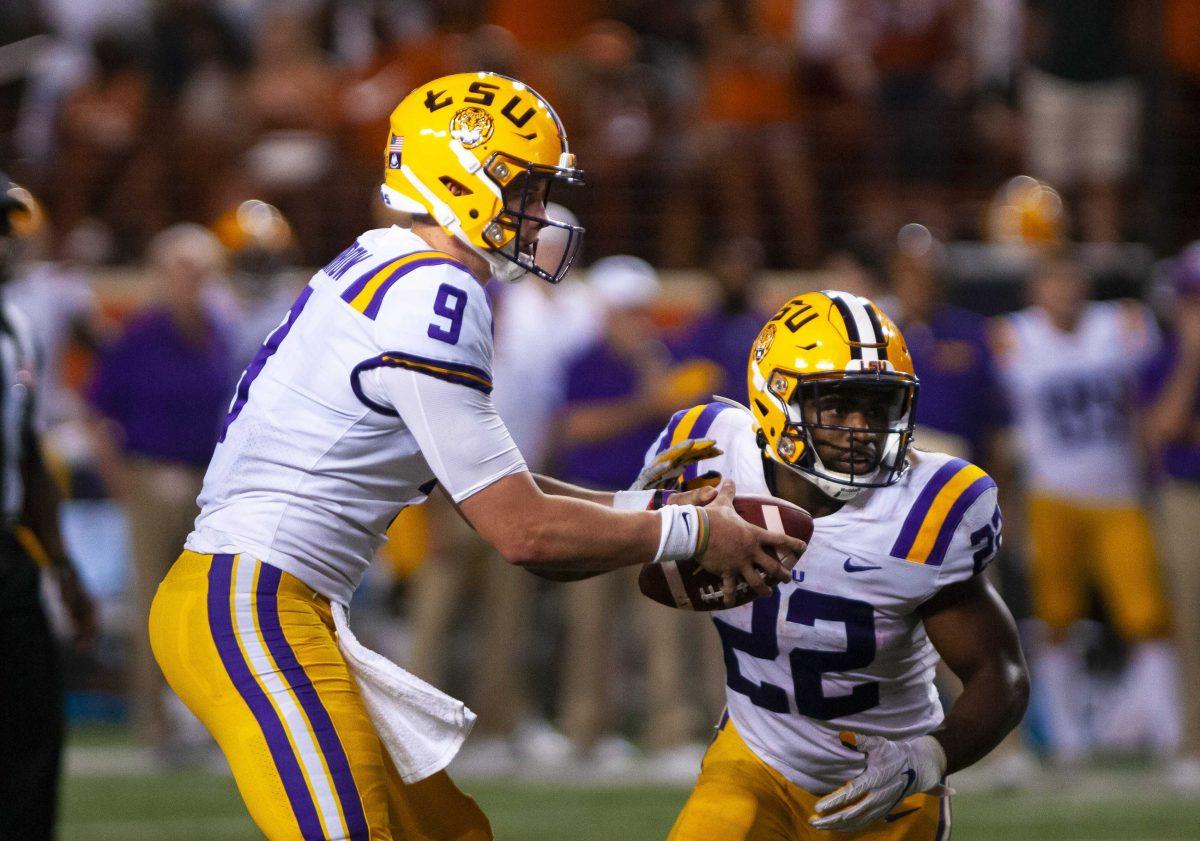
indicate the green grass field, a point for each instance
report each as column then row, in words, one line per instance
column 1114, row 805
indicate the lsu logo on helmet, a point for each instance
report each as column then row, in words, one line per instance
column 479, row 152
column 833, row 346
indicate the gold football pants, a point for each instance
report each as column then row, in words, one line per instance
column 740, row 798
column 1110, row 547
column 252, row 652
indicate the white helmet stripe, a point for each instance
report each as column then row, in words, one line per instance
column 862, row 324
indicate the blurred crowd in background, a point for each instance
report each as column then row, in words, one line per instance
column 983, row 169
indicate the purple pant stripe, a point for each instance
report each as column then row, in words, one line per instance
column 372, row 308
column 699, row 430
column 260, row 359
column 310, row 702
column 220, row 623
column 912, row 524
column 954, row 517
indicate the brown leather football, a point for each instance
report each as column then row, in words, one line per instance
column 688, row 586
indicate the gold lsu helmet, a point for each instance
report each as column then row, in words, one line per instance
column 821, row 356
column 478, row 152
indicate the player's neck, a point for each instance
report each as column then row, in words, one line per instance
column 439, row 240
column 795, row 488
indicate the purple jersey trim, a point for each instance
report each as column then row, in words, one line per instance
column 451, row 372
column 220, row 608
column 310, row 702
column 954, row 517
column 268, row 349
column 912, row 524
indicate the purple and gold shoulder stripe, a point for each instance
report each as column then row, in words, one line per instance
column 366, row 293
column 934, row 517
column 692, row 423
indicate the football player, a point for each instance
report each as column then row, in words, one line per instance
column 832, row 720
column 373, row 389
column 1071, row 368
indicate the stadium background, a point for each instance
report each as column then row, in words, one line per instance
column 817, row 128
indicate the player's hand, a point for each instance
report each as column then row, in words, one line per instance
column 895, row 769
column 78, row 603
column 739, row 550
column 669, row 465
column 697, row 496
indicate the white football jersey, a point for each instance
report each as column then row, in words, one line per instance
column 313, row 464
column 1071, row 396
column 841, row 646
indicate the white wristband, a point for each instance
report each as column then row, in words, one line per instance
column 632, row 500
column 683, row 533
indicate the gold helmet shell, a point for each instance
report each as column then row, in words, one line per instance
column 474, row 152
column 820, row 340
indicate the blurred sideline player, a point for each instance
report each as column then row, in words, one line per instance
column 1071, row 370
column 263, row 272
column 373, row 389
column 1172, row 396
column 832, row 721
column 619, row 392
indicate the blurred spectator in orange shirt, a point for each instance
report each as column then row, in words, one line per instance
column 1176, row 125
column 747, row 135
column 615, row 109
column 1083, row 106
column 907, row 63
column 200, row 61
column 545, row 26
column 290, row 99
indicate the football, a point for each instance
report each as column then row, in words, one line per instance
column 688, row 586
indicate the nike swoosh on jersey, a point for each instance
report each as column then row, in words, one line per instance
column 850, row 566
column 687, row 524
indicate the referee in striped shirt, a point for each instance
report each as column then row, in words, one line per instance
column 31, row 714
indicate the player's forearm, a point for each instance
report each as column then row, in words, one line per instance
column 577, row 535
column 556, row 487
column 991, row 704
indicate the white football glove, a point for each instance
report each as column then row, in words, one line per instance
column 895, row 769
column 670, row 463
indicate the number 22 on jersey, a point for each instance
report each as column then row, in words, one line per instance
column 804, row 607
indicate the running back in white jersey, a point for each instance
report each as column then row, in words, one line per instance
column 313, row 464
column 841, row 646
column 1072, row 394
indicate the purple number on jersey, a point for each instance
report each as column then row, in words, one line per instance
column 451, row 304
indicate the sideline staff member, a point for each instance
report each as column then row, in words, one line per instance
column 31, row 716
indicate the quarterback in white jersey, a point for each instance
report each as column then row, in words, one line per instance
column 830, row 678
column 374, row 388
